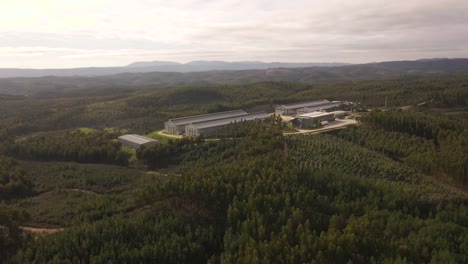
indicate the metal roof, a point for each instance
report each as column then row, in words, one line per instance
column 305, row 104
column 226, row 121
column 324, row 106
column 137, row 139
column 339, row 112
column 314, row 114
column 206, row 117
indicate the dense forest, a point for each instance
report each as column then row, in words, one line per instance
column 12, row 181
column 143, row 109
column 391, row 189
column 79, row 80
column 260, row 199
column 93, row 147
column 431, row 142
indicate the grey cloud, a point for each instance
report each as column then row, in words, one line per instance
column 437, row 27
column 301, row 30
column 78, row 40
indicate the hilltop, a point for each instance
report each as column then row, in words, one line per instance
column 56, row 85
column 159, row 66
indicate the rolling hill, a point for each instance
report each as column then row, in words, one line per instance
column 158, row 66
column 55, row 85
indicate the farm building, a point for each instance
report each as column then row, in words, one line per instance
column 310, row 119
column 306, row 107
column 210, row 128
column 339, row 113
column 177, row 125
column 136, row 141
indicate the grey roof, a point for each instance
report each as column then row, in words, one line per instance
column 206, row 117
column 137, row 139
column 323, row 106
column 314, row 114
column 339, row 112
column 226, row 121
column 305, row 104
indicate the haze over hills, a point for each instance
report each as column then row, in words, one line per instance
column 54, row 85
column 159, row 66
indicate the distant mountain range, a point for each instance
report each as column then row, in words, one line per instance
column 46, row 86
column 159, row 66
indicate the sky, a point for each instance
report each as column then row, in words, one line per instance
column 72, row 33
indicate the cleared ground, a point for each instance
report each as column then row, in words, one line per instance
column 44, row 231
column 332, row 125
column 165, row 134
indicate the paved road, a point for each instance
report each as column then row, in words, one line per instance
column 337, row 124
column 332, row 125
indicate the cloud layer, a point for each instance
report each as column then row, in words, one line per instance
column 54, row 33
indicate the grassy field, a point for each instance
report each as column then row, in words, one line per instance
column 160, row 136
column 86, row 130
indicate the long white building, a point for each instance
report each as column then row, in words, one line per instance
column 309, row 119
column 177, row 125
column 306, row 107
column 210, row 128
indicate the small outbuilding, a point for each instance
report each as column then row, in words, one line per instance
column 311, row 119
column 136, row 141
column 339, row 113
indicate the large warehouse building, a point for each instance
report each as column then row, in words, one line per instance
column 309, row 119
column 306, row 107
column 177, row 125
column 136, row 141
column 211, row 128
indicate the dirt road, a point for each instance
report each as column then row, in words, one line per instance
column 45, row 231
column 161, row 133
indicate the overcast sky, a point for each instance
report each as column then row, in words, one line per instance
column 77, row 33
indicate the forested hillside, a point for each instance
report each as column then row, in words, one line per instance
column 93, row 147
column 48, row 85
column 143, row 109
column 270, row 199
column 431, row 142
column 159, row 66
column 392, row 189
